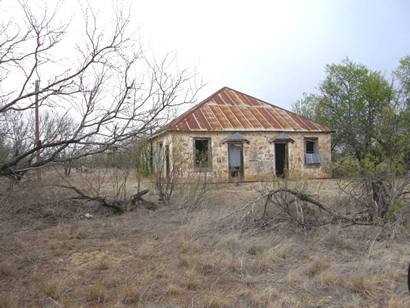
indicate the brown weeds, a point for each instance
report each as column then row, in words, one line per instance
column 155, row 259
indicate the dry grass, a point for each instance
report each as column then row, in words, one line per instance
column 96, row 293
column 157, row 258
column 130, row 296
column 315, row 266
column 8, row 269
column 102, row 265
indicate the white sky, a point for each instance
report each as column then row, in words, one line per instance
column 274, row 50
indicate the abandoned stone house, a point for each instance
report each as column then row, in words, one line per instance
column 233, row 136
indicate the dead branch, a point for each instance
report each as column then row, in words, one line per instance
column 299, row 209
column 112, row 204
column 137, row 199
column 117, row 205
column 301, row 196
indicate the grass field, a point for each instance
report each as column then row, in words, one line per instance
column 206, row 257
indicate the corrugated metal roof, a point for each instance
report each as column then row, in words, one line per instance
column 231, row 110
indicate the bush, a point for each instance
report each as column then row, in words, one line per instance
column 347, row 166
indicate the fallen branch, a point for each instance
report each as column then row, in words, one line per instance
column 137, row 199
column 300, row 217
column 114, row 204
column 118, row 205
column 138, row 196
column 301, row 196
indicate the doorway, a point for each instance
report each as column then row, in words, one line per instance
column 281, row 159
column 235, row 161
column 167, row 162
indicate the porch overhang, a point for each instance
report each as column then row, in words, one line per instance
column 282, row 138
column 235, row 138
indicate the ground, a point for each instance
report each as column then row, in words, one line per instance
column 208, row 256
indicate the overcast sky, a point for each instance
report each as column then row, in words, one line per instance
column 275, row 50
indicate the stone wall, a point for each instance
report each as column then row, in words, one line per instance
column 259, row 154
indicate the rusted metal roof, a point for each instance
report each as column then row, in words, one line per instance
column 231, row 110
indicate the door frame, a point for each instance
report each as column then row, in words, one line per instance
column 286, row 162
column 167, row 162
column 242, row 167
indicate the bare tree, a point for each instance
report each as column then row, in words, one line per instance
column 105, row 94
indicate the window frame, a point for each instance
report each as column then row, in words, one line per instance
column 315, row 141
column 198, row 167
column 311, row 141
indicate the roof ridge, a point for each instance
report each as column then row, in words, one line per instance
column 184, row 120
column 182, row 116
column 272, row 105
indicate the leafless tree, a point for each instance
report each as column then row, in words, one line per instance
column 104, row 93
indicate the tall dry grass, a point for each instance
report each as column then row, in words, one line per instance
column 207, row 259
